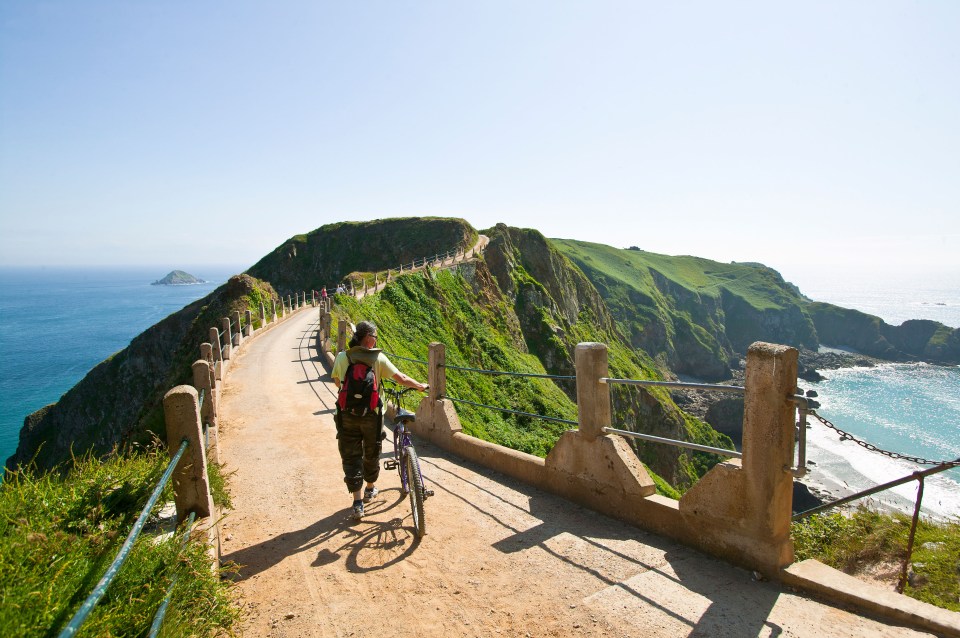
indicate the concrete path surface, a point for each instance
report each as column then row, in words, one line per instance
column 499, row 558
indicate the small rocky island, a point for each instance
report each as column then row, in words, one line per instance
column 178, row 278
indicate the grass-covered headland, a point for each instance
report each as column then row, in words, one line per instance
column 60, row 530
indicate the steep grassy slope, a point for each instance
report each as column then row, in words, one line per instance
column 330, row 253
column 694, row 314
column 525, row 330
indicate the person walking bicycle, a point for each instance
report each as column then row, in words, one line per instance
column 357, row 372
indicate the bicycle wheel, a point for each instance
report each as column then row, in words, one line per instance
column 416, row 492
column 400, row 458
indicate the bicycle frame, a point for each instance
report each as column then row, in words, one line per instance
column 407, row 463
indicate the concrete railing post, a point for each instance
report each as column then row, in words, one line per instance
column 214, row 336
column 228, row 346
column 181, row 415
column 290, row 302
column 436, row 372
column 206, row 353
column 341, row 335
column 208, row 410
column 248, row 328
column 313, row 298
column 238, row 335
column 769, row 429
column 593, row 397
column 263, row 316
column 191, row 483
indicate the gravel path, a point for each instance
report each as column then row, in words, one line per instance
column 499, row 558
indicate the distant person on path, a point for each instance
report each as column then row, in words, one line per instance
column 359, row 419
column 323, row 293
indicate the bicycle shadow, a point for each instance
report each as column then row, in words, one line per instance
column 367, row 545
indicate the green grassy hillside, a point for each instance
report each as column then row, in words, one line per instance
column 693, row 314
column 484, row 328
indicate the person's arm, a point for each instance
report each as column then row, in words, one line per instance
column 404, row 380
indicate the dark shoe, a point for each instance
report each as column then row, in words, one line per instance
column 369, row 493
column 357, row 510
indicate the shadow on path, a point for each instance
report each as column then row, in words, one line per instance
column 369, row 545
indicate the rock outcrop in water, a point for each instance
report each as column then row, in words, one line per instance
column 178, row 278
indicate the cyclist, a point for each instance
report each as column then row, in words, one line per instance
column 359, row 436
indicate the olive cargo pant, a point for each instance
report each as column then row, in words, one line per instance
column 360, row 442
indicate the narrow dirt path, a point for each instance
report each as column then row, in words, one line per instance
column 499, row 558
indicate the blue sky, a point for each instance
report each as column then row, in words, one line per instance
column 802, row 135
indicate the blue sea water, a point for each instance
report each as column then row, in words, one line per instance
column 911, row 409
column 58, row 323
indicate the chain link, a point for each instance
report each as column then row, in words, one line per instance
column 873, row 448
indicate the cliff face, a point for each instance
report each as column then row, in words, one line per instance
column 330, row 253
column 558, row 307
column 915, row 340
column 119, row 401
column 694, row 315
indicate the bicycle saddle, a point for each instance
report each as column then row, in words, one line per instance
column 406, row 416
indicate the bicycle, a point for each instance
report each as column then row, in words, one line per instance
column 406, row 462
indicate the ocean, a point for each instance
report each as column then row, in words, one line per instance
column 56, row 324
column 910, row 409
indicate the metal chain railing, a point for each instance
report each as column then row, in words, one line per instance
column 846, row 436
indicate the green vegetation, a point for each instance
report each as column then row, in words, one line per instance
column 852, row 543
column 415, row 310
column 59, row 531
column 480, row 330
column 693, row 314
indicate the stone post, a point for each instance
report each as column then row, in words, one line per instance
column 248, row 329
column 769, row 428
column 290, row 303
column 274, row 302
column 263, row 316
column 593, row 397
column 208, row 410
column 313, row 298
column 341, row 335
column 214, row 336
column 191, row 484
column 228, row 346
column 436, row 372
column 238, row 335
column 206, row 353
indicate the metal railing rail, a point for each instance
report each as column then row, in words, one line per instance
column 804, row 405
column 675, row 442
column 78, row 619
column 162, row 611
column 513, row 374
column 676, row 385
column 397, row 356
column 493, row 407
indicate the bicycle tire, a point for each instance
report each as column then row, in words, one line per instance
column 416, row 492
column 400, row 457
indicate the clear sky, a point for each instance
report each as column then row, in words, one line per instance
column 800, row 135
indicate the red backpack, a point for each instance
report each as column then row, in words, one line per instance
column 358, row 392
